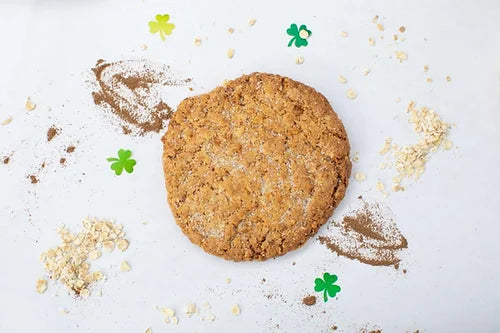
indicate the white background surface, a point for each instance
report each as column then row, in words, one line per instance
column 449, row 217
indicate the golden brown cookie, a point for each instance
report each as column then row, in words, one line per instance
column 254, row 168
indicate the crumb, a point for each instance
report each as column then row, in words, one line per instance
column 235, row 310
column 360, row 176
column 448, row 78
column 230, row 53
column 375, row 19
column 6, row 160
column 371, row 41
column 448, row 145
column 299, row 60
column 251, row 22
column 84, row 293
column 41, row 286
column 230, row 30
column 387, row 146
column 365, row 71
column 309, row 300
column 355, row 158
column 174, row 320
column 402, row 29
column 62, row 161
column 168, row 312
column 228, row 280
column 396, row 265
column 344, row 34
column 30, row 106
column 401, row 56
column 351, row 93
column 398, row 99
column 125, row 267
column 333, row 328
column 6, row 121
column 303, row 34
column 380, row 27
column 395, row 37
column 148, row 330
column 341, row 79
column 426, row 68
column 197, row 41
column 428, row 80
column 70, row 149
column 404, row 271
column 144, row 47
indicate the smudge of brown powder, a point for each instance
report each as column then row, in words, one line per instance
column 368, row 234
column 132, row 91
column 70, row 149
column 52, row 132
column 62, row 161
column 6, row 160
column 309, row 300
column 33, row 179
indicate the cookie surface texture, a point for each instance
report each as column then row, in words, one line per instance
column 254, row 168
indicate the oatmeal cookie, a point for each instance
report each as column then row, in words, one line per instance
column 254, row 168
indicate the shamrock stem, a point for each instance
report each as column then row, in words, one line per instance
column 325, row 297
column 162, row 35
column 291, row 41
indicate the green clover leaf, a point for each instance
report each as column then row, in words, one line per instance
column 122, row 162
column 327, row 286
column 299, row 35
column 161, row 25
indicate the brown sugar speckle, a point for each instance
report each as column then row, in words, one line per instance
column 33, row 179
column 70, row 149
column 6, row 160
column 62, row 161
column 52, row 132
column 309, row 300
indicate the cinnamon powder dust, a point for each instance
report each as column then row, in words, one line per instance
column 368, row 234
column 133, row 91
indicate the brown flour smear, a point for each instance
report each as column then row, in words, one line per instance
column 309, row 300
column 52, row 132
column 368, row 234
column 132, row 91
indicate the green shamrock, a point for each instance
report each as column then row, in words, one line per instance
column 327, row 286
column 299, row 35
column 161, row 26
column 122, row 162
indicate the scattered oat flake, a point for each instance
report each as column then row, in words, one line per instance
column 190, row 309
column 95, row 254
column 380, row 27
column 426, row 68
column 84, row 293
column 341, row 79
column 344, row 34
column 448, row 145
column 228, row 280
column 395, row 37
column 174, row 320
column 7, row 120
column 299, row 60
column 197, row 41
column 402, row 29
column 360, row 176
column 386, row 147
column 41, row 286
column 235, row 310
column 251, row 22
column 125, row 267
column 230, row 53
column 30, row 106
column 428, row 80
column 168, row 312
column 230, row 30
column 122, row 244
column 351, row 93
column 380, row 186
column 371, row 41
column 401, row 56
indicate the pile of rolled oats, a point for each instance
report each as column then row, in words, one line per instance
column 68, row 262
column 410, row 160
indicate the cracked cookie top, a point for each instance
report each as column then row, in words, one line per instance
column 254, row 168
